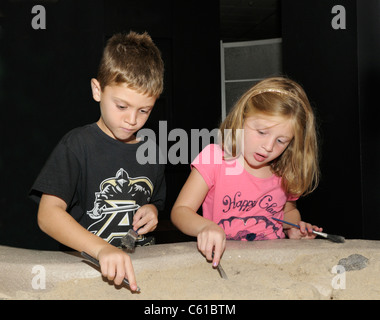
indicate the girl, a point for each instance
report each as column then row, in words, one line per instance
column 266, row 159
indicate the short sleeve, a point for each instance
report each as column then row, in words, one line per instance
column 207, row 161
column 159, row 193
column 59, row 176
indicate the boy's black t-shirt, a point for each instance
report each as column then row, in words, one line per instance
column 101, row 181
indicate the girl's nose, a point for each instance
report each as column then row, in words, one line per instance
column 268, row 145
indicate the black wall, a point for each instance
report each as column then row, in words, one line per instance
column 339, row 70
column 45, row 86
column 368, row 17
column 45, row 91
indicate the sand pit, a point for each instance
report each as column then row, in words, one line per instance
column 278, row 269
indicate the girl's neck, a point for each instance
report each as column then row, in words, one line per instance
column 262, row 172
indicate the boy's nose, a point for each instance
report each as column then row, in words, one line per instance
column 131, row 118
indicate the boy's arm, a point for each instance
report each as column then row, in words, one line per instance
column 145, row 218
column 54, row 220
column 184, row 216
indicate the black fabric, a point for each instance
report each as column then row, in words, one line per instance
column 101, row 181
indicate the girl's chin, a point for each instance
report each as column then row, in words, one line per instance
column 254, row 164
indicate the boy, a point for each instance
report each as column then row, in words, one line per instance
column 92, row 189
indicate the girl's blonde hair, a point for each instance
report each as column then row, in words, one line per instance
column 298, row 164
column 133, row 60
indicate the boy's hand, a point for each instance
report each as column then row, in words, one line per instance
column 304, row 232
column 145, row 218
column 116, row 265
column 212, row 242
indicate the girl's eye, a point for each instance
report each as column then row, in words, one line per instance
column 121, row 107
column 282, row 141
column 261, row 132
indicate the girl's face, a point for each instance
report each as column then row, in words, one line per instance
column 265, row 139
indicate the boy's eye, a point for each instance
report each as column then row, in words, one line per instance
column 145, row 111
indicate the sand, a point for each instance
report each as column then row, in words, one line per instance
column 280, row 269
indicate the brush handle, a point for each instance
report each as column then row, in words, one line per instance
column 322, row 234
column 289, row 223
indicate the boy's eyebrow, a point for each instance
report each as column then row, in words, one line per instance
column 127, row 103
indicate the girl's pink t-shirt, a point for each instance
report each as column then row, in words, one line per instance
column 242, row 204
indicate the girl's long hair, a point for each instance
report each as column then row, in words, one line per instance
column 298, row 165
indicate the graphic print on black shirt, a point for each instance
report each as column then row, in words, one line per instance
column 116, row 203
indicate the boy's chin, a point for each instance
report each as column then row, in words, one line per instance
column 128, row 139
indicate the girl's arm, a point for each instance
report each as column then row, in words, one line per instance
column 292, row 215
column 210, row 237
column 54, row 220
column 184, row 212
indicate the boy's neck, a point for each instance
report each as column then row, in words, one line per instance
column 102, row 126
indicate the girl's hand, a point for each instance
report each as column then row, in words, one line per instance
column 304, row 232
column 212, row 242
column 146, row 218
column 116, row 265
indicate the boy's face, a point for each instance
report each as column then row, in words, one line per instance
column 123, row 111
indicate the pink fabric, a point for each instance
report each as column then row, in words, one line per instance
column 240, row 203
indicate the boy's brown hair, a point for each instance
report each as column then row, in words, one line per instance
column 132, row 60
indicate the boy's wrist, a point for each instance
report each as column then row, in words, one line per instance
column 97, row 250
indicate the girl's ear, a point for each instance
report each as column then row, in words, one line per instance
column 96, row 89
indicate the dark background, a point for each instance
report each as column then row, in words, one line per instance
column 45, row 91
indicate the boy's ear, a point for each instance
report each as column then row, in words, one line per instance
column 96, row 89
